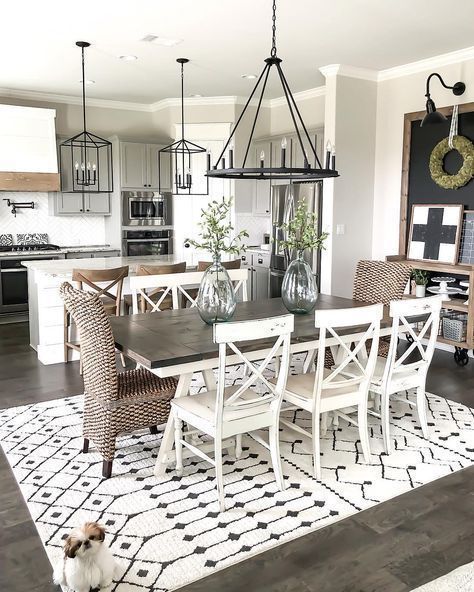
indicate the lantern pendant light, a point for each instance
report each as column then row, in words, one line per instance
column 86, row 159
column 309, row 170
column 181, row 152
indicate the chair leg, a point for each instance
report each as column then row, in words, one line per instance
column 219, row 476
column 153, row 429
column 385, row 417
column 122, row 359
column 363, row 430
column 238, row 445
column 324, row 423
column 178, row 435
column 80, row 363
column 421, row 408
column 274, row 441
column 85, row 445
column 316, row 447
column 107, row 469
column 309, row 361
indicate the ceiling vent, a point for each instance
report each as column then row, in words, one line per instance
column 157, row 40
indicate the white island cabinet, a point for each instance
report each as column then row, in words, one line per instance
column 46, row 310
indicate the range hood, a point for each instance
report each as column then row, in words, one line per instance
column 28, row 155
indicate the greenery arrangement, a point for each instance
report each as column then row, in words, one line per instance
column 302, row 232
column 420, row 276
column 466, row 149
column 216, row 230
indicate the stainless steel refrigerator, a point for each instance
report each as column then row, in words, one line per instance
column 284, row 201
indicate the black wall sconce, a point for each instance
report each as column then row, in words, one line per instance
column 19, row 205
column 433, row 116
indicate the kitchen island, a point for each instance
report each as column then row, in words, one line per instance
column 46, row 310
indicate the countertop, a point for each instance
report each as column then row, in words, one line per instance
column 64, row 267
column 61, row 251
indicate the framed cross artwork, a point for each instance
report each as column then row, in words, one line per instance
column 435, row 231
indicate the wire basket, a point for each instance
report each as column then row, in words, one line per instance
column 455, row 327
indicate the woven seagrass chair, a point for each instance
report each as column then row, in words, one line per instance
column 114, row 403
column 378, row 282
column 155, row 294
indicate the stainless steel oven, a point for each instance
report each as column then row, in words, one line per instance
column 147, row 242
column 147, row 208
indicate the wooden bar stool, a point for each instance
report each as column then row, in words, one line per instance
column 154, row 295
column 111, row 302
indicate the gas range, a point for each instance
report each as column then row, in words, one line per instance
column 28, row 248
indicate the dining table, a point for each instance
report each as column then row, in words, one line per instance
column 178, row 343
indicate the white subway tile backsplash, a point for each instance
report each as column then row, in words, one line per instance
column 61, row 230
column 256, row 226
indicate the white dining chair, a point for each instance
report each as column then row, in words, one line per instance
column 409, row 370
column 181, row 286
column 330, row 390
column 231, row 411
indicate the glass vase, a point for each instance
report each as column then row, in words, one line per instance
column 216, row 299
column 298, row 291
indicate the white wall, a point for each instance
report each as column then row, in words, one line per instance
column 61, row 230
column 395, row 98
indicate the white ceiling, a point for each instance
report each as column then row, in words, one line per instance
column 223, row 39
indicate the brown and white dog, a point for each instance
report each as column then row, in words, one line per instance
column 88, row 563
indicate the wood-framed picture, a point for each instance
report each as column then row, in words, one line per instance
column 435, row 232
column 466, row 250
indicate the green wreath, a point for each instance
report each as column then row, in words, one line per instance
column 466, row 149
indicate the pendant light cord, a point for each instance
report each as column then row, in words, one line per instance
column 182, row 101
column 274, row 49
column 83, row 90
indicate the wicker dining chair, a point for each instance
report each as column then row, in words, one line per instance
column 377, row 282
column 114, row 403
column 95, row 280
column 154, row 295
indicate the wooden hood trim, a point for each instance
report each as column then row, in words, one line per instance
column 29, row 181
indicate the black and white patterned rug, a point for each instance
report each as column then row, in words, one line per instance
column 168, row 533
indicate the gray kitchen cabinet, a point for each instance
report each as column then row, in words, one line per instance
column 68, row 204
column 258, row 265
column 91, row 254
column 140, row 167
column 97, row 203
column 74, row 204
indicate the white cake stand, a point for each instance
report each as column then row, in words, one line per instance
column 443, row 287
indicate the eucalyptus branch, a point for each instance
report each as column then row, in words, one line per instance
column 216, row 230
column 302, row 232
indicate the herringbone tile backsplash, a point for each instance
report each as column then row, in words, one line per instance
column 61, row 230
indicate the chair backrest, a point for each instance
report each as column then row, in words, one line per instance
column 362, row 324
column 227, row 335
column 235, row 264
column 114, row 277
column 425, row 312
column 380, row 281
column 97, row 341
column 176, row 284
column 158, row 270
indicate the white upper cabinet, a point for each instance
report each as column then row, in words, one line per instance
column 140, row 167
column 27, row 140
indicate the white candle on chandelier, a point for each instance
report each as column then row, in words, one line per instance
column 188, row 177
column 231, row 155
column 94, row 167
column 208, row 156
column 262, row 159
column 333, row 157
column 88, row 166
column 76, row 166
column 283, row 152
column 83, row 166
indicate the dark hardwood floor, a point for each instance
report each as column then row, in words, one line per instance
column 393, row 547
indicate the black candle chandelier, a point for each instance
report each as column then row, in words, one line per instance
column 309, row 170
column 181, row 152
column 86, row 159
column 432, row 115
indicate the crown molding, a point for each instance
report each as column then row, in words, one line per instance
column 349, row 71
column 445, row 59
column 303, row 95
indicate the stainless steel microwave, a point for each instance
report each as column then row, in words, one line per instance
column 147, row 208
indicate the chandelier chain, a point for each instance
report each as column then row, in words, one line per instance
column 274, row 49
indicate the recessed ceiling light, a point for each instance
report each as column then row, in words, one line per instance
column 128, row 58
column 87, row 82
column 249, row 76
column 166, row 41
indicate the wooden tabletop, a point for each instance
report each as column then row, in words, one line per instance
column 172, row 337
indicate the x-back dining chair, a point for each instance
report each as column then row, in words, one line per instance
column 330, row 390
column 409, row 370
column 232, row 411
column 100, row 282
column 178, row 286
column 154, row 294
